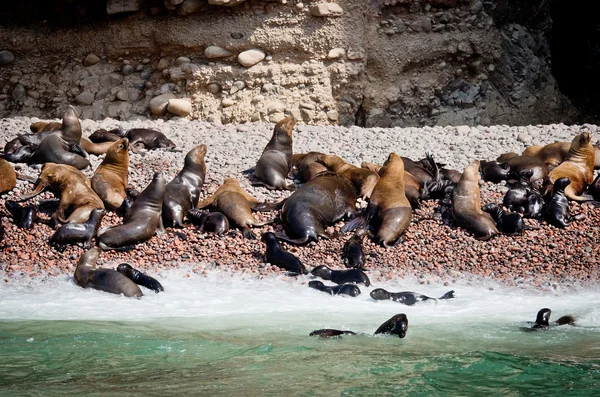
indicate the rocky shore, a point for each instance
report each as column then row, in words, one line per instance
column 544, row 257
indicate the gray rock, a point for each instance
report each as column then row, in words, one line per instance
column 110, row 80
column 146, row 74
column 90, row 59
column 158, row 105
column 119, row 6
column 214, row 52
column 336, row 53
column 181, row 60
column 123, row 95
column 85, row 98
column 237, row 86
column 18, row 92
column 6, row 57
column 227, row 3
column 127, row 70
column 190, row 7
column 213, row 88
column 326, row 10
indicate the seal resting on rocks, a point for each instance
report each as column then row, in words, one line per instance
column 493, row 171
column 412, row 187
column 275, row 163
column 557, row 212
column 8, row 177
column 397, row 325
column 352, row 253
column 405, row 297
column 89, row 275
column 183, row 192
column 140, row 278
column 341, row 276
column 466, row 205
column 364, row 180
column 554, row 153
column 277, row 256
column 102, row 136
column 112, row 176
column 144, row 138
column 210, row 222
column 510, row 223
column 307, row 165
column 344, row 289
column 72, row 233
column 23, row 217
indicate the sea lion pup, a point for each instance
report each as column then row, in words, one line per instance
column 516, row 196
column 23, row 217
column 279, row 257
column 89, row 275
column 466, row 205
column 344, row 289
column 397, row 325
column 183, row 192
column 328, row 333
column 341, row 276
column 307, row 165
column 406, row 297
column 275, row 163
column 352, row 253
column 557, row 212
column 364, row 180
column 102, row 136
column 111, row 177
column 412, row 187
column 542, row 320
column 237, row 205
column 534, row 205
column 8, row 177
column 493, row 171
column 578, row 166
column 211, row 222
column 314, row 206
column 144, row 138
column 140, row 278
column 73, row 233
column 510, row 223
column 388, row 207
column 20, row 154
column 594, row 189
column 141, row 223
column 77, row 199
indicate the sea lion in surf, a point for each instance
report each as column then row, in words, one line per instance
column 277, row 256
column 364, row 180
column 307, row 165
column 89, row 275
column 8, row 177
column 397, row 325
column 328, row 333
column 183, row 192
column 111, row 178
column 352, row 253
column 73, row 233
column 140, row 278
column 341, row 276
column 406, row 297
column 542, row 321
column 275, row 162
column 466, row 205
column 144, row 138
column 210, row 222
column 344, row 289
column 557, row 212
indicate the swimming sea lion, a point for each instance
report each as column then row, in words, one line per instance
column 328, row 333
column 397, row 325
column 112, row 175
column 307, row 165
column 23, row 217
column 509, row 223
column 352, row 253
column 183, row 192
column 89, row 275
column 275, row 163
column 364, row 180
column 277, row 256
column 142, row 221
column 211, row 222
column 8, row 177
column 344, row 289
column 405, row 297
column 144, row 138
column 77, row 199
column 341, row 276
column 314, row 206
column 542, row 320
column 140, row 278
column 73, row 233
column 557, row 212
column 578, row 166
column 493, row 171
column 466, row 205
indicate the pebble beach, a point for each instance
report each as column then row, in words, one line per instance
column 543, row 258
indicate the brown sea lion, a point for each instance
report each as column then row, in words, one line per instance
column 466, row 205
column 43, row 126
column 89, row 275
column 307, row 165
column 141, row 222
column 578, row 166
column 389, row 207
column 275, row 163
column 144, row 138
column 520, row 163
column 412, row 187
column 77, row 199
column 183, row 192
column 503, row 158
column 554, row 153
column 94, row 148
column 8, row 177
column 364, row 180
column 111, row 177
column 237, row 205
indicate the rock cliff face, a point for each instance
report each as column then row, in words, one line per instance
column 374, row 63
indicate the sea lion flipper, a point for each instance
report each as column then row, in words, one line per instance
column 581, row 198
column 264, row 207
column 248, row 233
column 39, row 188
column 76, row 148
column 297, row 241
column 448, row 295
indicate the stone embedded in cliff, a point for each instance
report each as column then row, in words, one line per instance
column 237, row 86
column 251, row 57
column 326, row 10
column 163, row 64
column 169, row 6
column 227, row 3
column 213, row 88
column 158, row 105
column 336, row 53
column 85, row 98
column 182, row 60
column 180, row 106
column 6, row 57
column 110, row 80
column 443, row 3
column 19, row 92
column 190, row 7
column 213, row 52
column 90, row 59
column 227, row 102
column 119, row 6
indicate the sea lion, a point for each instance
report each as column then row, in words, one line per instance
column 20, row 154
column 23, row 217
column 140, row 278
column 405, row 297
column 534, row 205
column 307, row 165
column 8, row 177
column 466, row 205
column 112, row 175
column 211, row 222
column 578, row 166
column 493, row 171
column 73, row 233
column 77, row 199
column 352, row 253
column 364, row 180
column 144, row 138
column 388, row 207
column 421, row 173
column 42, row 126
column 516, row 196
column 437, row 189
column 183, row 192
column 554, row 153
column 397, row 325
column 237, row 205
column 102, row 136
column 542, row 320
column 520, row 163
column 328, row 333
column 314, row 206
column 279, row 257
column 54, row 149
column 89, row 275
column 11, row 146
column 344, row 289
column 275, row 163
column 94, row 148
column 341, row 276
column 506, row 156
column 412, row 187
column 143, row 219
column 557, row 212
column 594, row 188
column 510, row 223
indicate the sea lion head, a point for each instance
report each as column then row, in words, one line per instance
column 583, row 138
column 316, row 284
column 561, row 184
column 118, row 151
column 164, row 143
column 71, row 127
column 380, row 294
column 400, row 325
column 126, row 269
column 196, row 156
column 393, row 165
column 543, row 318
column 285, row 127
column 268, row 238
column 322, row 271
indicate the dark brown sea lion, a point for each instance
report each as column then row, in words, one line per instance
column 211, row 222
column 578, row 166
column 542, row 321
column 77, row 199
column 307, row 165
column 344, row 289
column 8, row 177
column 328, row 333
column 412, row 187
column 183, row 192
column 418, row 171
column 466, row 205
column 352, row 253
column 20, row 154
column 503, row 158
column 364, row 180
column 276, row 255
column 557, row 212
column 111, row 178
column 509, row 223
column 54, row 149
column 140, row 278
column 237, row 205
column 397, row 325
column 341, row 276
column 101, row 135
column 317, row 204
column 275, row 163
column 89, row 275
column 23, row 217
column 73, row 233
column 493, row 171
column 141, row 222
column 143, row 138
column 406, row 297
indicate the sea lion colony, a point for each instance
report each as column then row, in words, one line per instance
column 539, row 187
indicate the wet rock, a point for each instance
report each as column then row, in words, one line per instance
column 181, row 107
column 214, row 52
column 90, row 59
column 251, row 57
column 158, row 105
